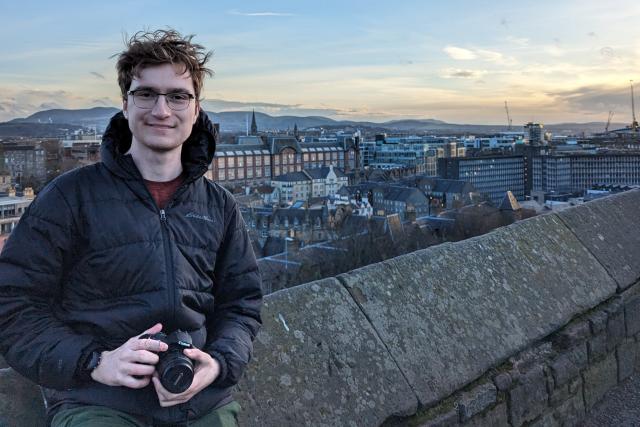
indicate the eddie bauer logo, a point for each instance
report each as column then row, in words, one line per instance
column 198, row 216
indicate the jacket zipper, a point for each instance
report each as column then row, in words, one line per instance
column 169, row 263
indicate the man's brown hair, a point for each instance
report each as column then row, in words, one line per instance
column 149, row 48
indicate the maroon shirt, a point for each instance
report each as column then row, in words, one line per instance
column 163, row 191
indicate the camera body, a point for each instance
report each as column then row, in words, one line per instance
column 174, row 368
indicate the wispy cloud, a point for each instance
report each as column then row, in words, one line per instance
column 463, row 54
column 462, row 74
column 596, row 99
column 459, row 53
column 221, row 105
column 237, row 12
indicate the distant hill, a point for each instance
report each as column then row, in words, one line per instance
column 236, row 121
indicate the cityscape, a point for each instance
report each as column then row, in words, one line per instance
column 442, row 198
column 323, row 200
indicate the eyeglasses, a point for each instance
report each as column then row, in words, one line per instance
column 145, row 98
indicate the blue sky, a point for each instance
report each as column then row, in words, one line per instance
column 457, row 61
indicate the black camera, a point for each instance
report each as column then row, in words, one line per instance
column 174, row 368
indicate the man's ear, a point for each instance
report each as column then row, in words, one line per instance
column 125, row 106
column 195, row 116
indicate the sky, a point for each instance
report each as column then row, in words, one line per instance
column 456, row 61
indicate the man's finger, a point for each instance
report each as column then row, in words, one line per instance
column 133, row 382
column 144, row 356
column 153, row 330
column 149, row 345
column 139, row 370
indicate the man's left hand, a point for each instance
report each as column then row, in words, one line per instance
column 206, row 371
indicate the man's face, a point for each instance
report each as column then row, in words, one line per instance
column 161, row 129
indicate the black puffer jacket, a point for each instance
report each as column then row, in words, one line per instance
column 94, row 262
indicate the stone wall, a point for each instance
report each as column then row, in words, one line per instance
column 528, row 325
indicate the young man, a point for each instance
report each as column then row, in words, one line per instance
column 139, row 243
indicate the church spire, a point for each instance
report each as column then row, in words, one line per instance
column 254, row 126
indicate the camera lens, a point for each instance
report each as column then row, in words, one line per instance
column 176, row 372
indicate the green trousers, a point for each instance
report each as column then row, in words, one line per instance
column 99, row 416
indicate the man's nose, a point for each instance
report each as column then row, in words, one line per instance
column 161, row 108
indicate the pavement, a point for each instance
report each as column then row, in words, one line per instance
column 620, row 407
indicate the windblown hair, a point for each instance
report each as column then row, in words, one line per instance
column 149, row 48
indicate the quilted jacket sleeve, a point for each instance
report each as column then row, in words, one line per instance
column 238, row 298
column 32, row 266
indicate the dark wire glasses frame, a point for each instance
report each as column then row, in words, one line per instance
column 146, row 99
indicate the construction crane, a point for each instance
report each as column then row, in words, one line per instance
column 506, row 107
column 606, row 128
column 634, row 124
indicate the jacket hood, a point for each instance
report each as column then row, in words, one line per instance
column 197, row 151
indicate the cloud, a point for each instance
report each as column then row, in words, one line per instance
column 237, row 12
column 220, row 105
column 554, row 50
column 519, row 41
column 596, row 99
column 96, row 74
column 459, row 53
column 482, row 54
column 463, row 74
column 607, row 52
column 591, row 34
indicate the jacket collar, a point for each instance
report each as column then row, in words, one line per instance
column 197, row 151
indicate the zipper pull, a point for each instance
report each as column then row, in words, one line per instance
column 163, row 217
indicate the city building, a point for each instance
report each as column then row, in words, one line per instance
column 491, row 175
column 24, row 162
column 315, row 182
column 534, row 134
column 11, row 209
column 578, row 172
column 255, row 160
column 407, row 202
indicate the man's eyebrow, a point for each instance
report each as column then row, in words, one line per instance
column 171, row 90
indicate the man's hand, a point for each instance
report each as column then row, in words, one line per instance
column 132, row 364
column 206, row 371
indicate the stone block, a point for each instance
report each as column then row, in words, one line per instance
column 502, row 381
column 597, row 347
column 632, row 315
column 495, row 417
column 613, row 239
column 21, row 401
column 569, row 364
column 317, row 361
column 528, row 399
column 599, row 378
column 438, row 316
column 572, row 335
column 446, row 419
column 476, row 400
column 615, row 330
column 598, row 321
column 545, row 420
column 571, row 412
column 626, row 356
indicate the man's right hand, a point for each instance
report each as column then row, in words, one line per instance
column 132, row 364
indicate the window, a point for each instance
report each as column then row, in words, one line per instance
column 230, row 162
column 240, row 161
column 221, row 164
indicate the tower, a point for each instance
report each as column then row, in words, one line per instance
column 254, row 126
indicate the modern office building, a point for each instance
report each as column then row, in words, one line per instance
column 492, row 176
column 578, row 171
